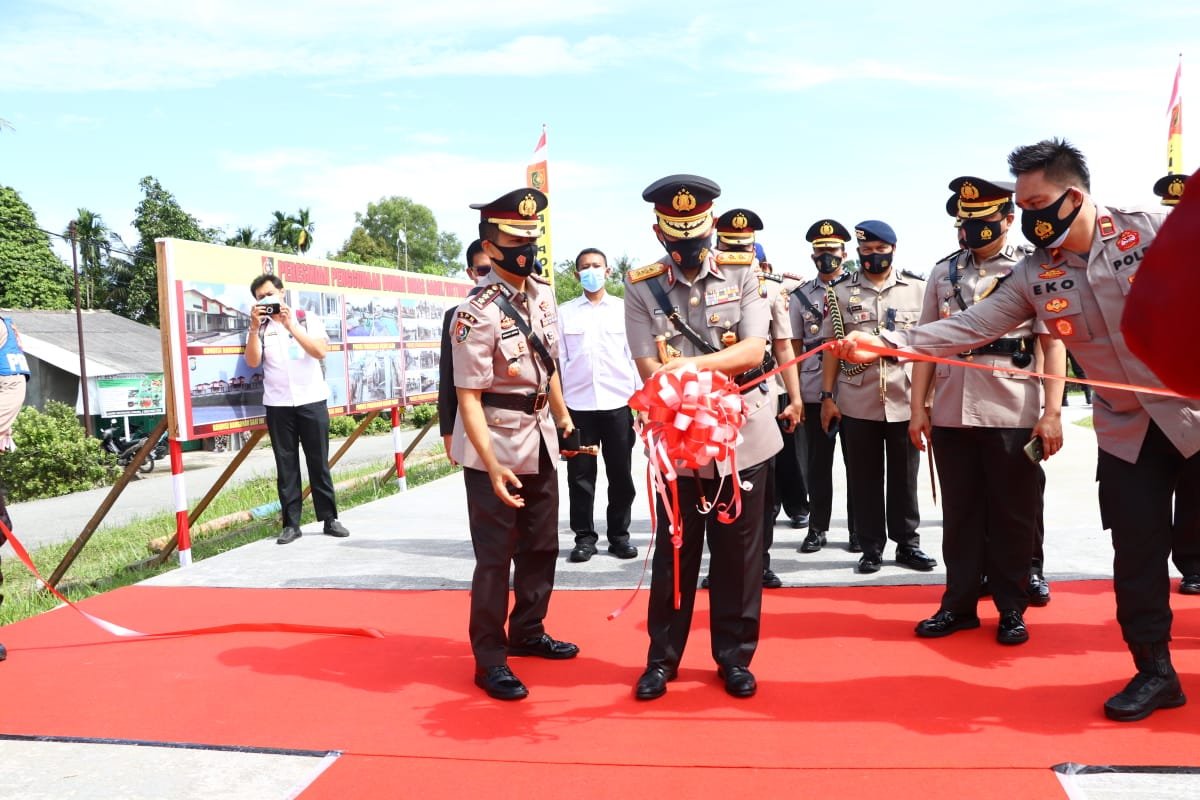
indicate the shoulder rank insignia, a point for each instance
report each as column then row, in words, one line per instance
column 952, row 255
column 639, row 274
column 536, row 278
column 486, row 296
column 771, row 276
column 916, row 276
column 1106, row 226
column 735, row 259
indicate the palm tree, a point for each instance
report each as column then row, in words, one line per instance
column 243, row 238
column 95, row 245
column 305, row 228
column 283, row 231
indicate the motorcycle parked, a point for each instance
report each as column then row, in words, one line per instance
column 126, row 450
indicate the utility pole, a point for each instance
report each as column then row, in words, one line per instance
column 83, row 386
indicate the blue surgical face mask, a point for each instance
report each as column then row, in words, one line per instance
column 592, row 279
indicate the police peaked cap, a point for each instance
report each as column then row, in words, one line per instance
column 515, row 212
column 683, row 204
column 872, row 230
column 827, row 233
column 737, row 226
column 976, row 198
column 1170, row 189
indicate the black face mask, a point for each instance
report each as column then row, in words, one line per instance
column 1043, row 228
column 978, row 234
column 876, row 263
column 688, row 253
column 827, row 263
column 518, row 260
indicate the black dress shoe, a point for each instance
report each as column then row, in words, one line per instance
column 1012, row 628
column 869, row 563
column 544, row 647
column 854, row 546
column 739, row 681
column 771, row 580
column 335, row 528
column 1190, row 584
column 500, row 683
column 582, row 552
column 813, row 542
column 704, row 582
column 944, row 623
column 289, row 535
column 653, row 683
column 800, row 521
column 3, row 652
column 914, row 558
column 623, row 550
column 1038, row 591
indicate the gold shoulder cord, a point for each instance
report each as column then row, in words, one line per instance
column 839, row 331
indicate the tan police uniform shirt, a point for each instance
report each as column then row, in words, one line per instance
column 775, row 289
column 964, row 397
column 1080, row 300
column 488, row 349
column 881, row 391
column 809, row 309
column 720, row 300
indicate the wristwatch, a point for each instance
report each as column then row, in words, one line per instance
column 825, row 396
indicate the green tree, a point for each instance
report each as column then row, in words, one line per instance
column 93, row 242
column 407, row 234
column 244, row 237
column 134, row 293
column 282, row 232
column 304, row 230
column 31, row 275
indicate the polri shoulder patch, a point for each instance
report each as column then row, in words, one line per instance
column 486, row 296
column 639, row 274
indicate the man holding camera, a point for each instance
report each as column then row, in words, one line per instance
column 294, row 394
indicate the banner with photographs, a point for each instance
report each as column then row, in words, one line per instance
column 383, row 327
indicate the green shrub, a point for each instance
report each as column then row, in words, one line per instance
column 380, row 425
column 341, row 427
column 421, row 415
column 54, row 455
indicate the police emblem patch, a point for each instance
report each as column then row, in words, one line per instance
column 461, row 331
column 1058, row 304
column 1127, row 240
column 1064, row 327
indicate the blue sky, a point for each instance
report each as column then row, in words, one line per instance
column 854, row 110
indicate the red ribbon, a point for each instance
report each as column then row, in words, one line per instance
column 235, row 627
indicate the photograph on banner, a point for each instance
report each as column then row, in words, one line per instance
column 370, row 316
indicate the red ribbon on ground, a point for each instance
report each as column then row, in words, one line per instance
column 235, row 627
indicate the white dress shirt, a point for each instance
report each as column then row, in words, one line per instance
column 291, row 377
column 597, row 370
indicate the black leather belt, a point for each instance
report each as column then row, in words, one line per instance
column 528, row 403
column 1003, row 347
column 768, row 364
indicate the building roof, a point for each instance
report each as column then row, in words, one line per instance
column 113, row 344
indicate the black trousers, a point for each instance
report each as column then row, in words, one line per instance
column 819, row 472
column 735, row 573
column 869, row 446
column 304, row 426
column 613, row 431
column 790, row 485
column 991, row 504
column 1148, row 506
column 527, row 539
column 1038, row 561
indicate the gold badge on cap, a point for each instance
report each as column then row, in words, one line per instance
column 968, row 191
column 683, row 200
column 1175, row 189
column 740, row 221
column 527, row 207
column 826, row 229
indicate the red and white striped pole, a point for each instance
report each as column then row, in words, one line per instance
column 398, row 446
column 182, row 531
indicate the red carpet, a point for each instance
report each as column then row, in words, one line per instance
column 850, row 702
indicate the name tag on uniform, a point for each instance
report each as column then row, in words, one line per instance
column 511, row 332
column 725, row 294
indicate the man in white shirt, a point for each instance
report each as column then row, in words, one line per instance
column 598, row 379
column 290, row 350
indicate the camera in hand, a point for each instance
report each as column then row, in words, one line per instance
column 269, row 308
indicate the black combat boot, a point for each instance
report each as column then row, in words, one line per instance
column 1155, row 686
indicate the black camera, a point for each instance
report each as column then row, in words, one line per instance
column 269, row 308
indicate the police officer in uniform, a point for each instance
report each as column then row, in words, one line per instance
column 504, row 436
column 785, row 482
column 1149, row 461
column 809, row 309
column 688, row 310
column 980, row 424
column 872, row 404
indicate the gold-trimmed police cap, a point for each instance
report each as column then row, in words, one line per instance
column 827, row 233
column 683, row 204
column 976, row 198
column 515, row 213
column 737, row 226
column 1170, row 189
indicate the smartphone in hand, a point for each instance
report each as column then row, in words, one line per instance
column 1034, row 450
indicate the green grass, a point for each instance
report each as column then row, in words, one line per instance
column 116, row 556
